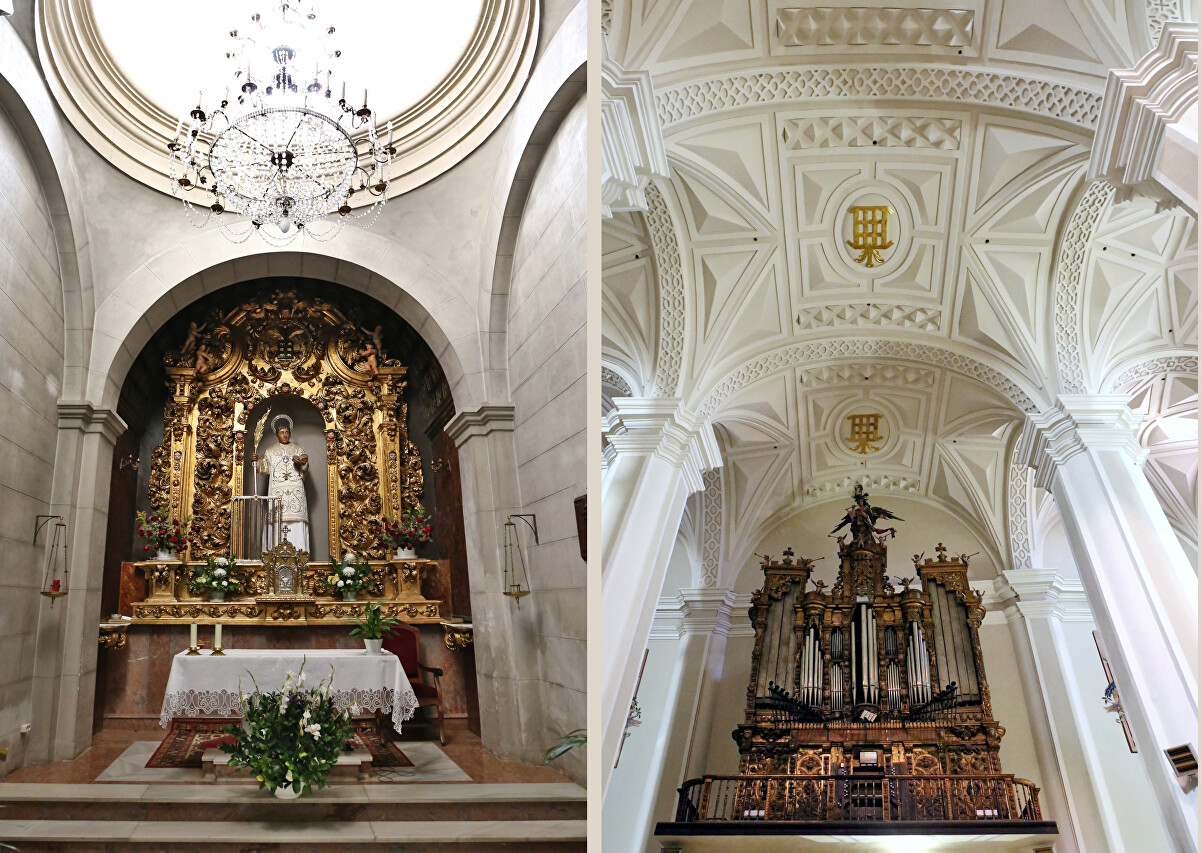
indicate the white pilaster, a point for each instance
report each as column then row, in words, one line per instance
column 1147, row 136
column 1044, row 601
column 1141, row 589
column 64, row 680
column 660, row 453
column 632, row 144
column 511, row 718
column 701, row 619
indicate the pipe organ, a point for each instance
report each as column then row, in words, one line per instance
column 872, row 675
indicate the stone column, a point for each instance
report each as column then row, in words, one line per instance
column 659, row 455
column 64, row 678
column 702, row 619
column 1141, row 589
column 511, row 718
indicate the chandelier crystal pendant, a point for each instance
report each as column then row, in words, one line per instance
column 283, row 155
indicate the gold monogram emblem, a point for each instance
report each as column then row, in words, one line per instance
column 870, row 232
column 865, row 433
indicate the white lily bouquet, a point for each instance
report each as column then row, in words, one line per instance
column 290, row 738
column 348, row 575
column 216, row 577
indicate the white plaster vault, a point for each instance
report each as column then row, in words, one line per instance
column 1021, row 301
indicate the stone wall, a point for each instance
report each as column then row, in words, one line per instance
column 547, row 364
column 31, row 366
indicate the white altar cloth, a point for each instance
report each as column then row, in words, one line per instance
column 202, row 684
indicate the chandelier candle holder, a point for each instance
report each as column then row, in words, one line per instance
column 283, row 155
column 54, row 577
column 517, row 582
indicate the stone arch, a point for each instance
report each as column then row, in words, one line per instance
column 1045, row 98
column 1010, row 384
column 1070, row 279
column 555, row 84
column 1180, row 362
column 24, row 96
column 154, row 292
column 669, row 277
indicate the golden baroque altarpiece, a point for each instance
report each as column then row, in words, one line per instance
column 285, row 344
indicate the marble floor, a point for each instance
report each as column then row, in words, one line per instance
column 120, row 756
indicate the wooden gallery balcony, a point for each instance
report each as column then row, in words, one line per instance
column 972, row 806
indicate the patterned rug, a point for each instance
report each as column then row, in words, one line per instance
column 187, row 740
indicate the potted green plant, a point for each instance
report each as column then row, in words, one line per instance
column 216, row 577
column 164, row 535
column 374, row 627
column 347, row 576
column 290, row 738
column 402, row 535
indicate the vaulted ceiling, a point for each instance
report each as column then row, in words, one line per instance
column 1009, row 279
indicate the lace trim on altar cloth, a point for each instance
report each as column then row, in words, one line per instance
column 227, row 703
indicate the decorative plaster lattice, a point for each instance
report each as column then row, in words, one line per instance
column 868, row 131
column 1070, row 273
column 615, row 381
column 880, row 482
column 1020, row 528
column 1159, row 13
column 922, row 318
column 821, row 26
column 867, row 349
column 1155, row 367
column 904, row 375
column 711, row 534
column 671, row 294
column 1054, row 100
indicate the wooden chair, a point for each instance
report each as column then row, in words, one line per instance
column 403, row 642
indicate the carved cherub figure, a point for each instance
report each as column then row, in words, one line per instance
column 204, row 360
column 377, row 337
column 189, row 344
column 819, row 585
column 905, row 583
column 371, row 364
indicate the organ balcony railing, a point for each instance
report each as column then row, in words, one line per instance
column 964, row 798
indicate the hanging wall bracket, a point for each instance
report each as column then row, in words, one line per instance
column 517, row 581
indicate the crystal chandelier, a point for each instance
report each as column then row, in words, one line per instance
column 283, row 155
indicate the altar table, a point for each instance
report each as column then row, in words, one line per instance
column 203, row 684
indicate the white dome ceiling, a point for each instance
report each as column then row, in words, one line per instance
column 170, row 63
column 446, row 73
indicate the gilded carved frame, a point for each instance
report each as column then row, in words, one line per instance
column 285, row 344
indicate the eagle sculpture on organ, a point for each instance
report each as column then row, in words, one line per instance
column 863, row 517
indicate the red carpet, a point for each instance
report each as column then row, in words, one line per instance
column 187, row 740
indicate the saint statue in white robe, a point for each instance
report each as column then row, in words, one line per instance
column 285, row 464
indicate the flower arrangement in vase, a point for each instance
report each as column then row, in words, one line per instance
column 290, row 738
column 402, row 535
column 215, row 578
column 347, row 577
column 164, row 535
column 373, row 627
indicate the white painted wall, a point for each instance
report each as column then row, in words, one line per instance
column 31, row 370
column 547, row 361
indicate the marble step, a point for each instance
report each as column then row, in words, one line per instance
column 119, row 836
column 245, row 803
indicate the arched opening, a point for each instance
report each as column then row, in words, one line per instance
column 128, row 680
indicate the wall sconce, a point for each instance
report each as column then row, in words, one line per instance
column 54, row 579
column 517, row 582
column 130, row 463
